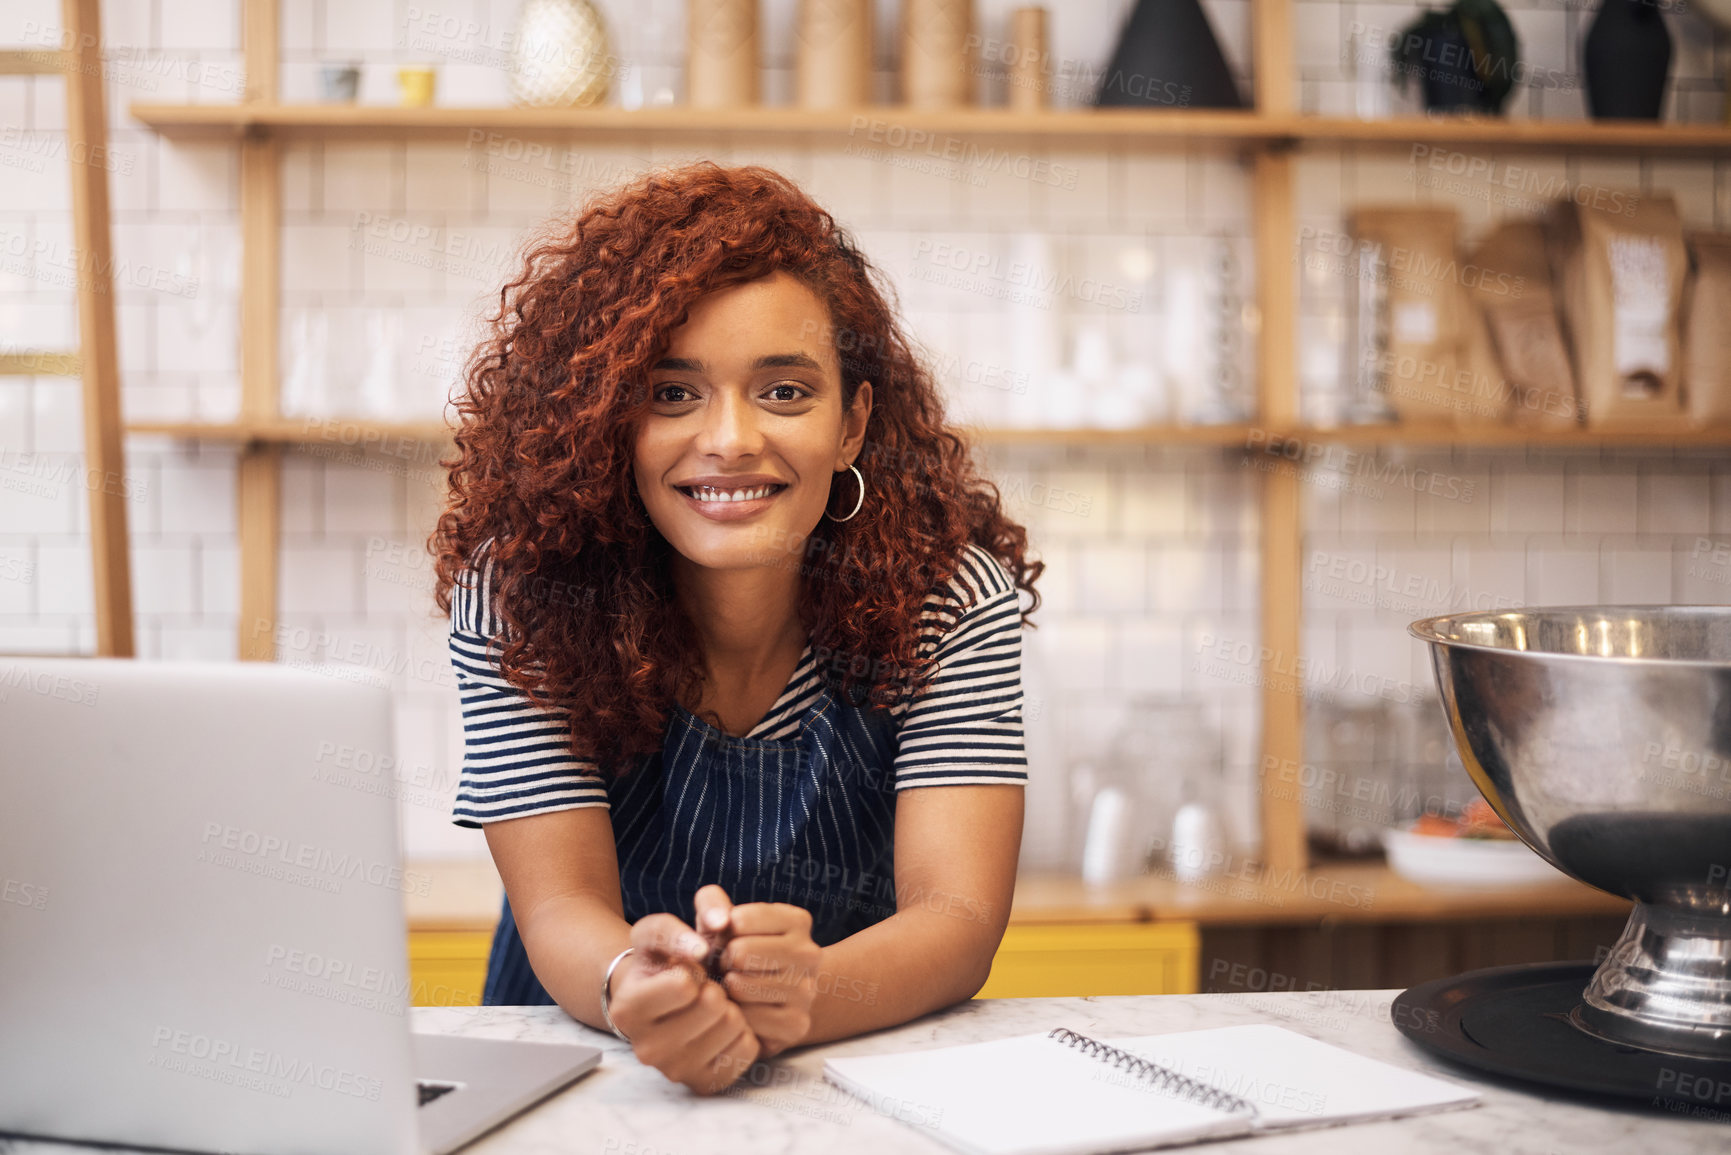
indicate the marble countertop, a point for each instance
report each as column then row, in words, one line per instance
column 625, row 1108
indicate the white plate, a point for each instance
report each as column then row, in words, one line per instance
column 1431, row 859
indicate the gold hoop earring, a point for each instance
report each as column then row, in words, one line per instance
column 858, row 501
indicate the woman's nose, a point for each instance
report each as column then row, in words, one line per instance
column 730, row 427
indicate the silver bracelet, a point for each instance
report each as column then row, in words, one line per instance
column 607, row 992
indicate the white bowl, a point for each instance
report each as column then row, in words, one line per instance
column 1436, row 860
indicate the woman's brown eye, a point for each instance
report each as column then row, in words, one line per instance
column 794, row 392
column 661, row 394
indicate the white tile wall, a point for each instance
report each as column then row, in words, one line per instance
column 1599, row 498
column 1673, row 502
column 1151, row 555
column 1632, row 573
column 1563, row 572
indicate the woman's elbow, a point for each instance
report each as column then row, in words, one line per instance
column 975, row 983
column 977, row 966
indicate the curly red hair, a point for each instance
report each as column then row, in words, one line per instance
column 542, row 488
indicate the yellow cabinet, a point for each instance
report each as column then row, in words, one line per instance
column 1044, row 960
column 447, row 968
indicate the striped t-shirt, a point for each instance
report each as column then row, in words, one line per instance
column 963, row 728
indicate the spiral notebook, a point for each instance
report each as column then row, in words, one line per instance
column 1062, row 1093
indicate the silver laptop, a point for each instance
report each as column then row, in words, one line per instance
column 202, row 941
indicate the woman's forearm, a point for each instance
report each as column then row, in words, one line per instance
column 913, row 962
column 955, row 877
column 570, row 939
column 919, row 959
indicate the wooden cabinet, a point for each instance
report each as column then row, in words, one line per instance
column 447, row 968
column 1043, row 960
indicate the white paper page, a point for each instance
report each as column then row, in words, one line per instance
column 1028, row 1095
column 1294, row 1080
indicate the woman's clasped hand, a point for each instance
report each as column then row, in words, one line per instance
column 706, row 1032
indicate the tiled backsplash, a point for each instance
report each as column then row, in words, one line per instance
column 1151, row 553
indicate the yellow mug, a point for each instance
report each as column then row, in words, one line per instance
column 415, row 85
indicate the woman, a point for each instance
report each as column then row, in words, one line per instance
column 728, row 604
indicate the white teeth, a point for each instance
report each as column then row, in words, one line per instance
column 710, row 493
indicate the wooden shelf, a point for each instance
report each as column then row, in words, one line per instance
column 1207, row 435
column 886, row 126
column 361, row 433
column 354, row 433
column 1356, row 892
column 1495, row 436
column 890, row 126
column 1498, row 134
column 1253, row 436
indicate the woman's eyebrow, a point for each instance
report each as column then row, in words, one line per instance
column 787, row 361
column 767, row 361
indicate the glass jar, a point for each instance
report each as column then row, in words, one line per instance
column 1163, row 754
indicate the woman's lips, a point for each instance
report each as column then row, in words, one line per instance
column 726, row 510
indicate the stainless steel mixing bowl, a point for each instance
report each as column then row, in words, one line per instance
column 1602, row 736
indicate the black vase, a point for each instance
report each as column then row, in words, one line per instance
column 1627, row 59
column 1167, row 57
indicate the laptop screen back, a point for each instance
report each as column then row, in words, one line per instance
column 202, row 940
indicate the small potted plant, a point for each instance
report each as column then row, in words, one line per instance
column 1464, row 58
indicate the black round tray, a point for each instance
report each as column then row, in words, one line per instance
column 1514, row 1021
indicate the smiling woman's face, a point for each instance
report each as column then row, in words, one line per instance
column 746, row 428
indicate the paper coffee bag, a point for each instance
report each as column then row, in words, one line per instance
column 1417, row 364
column 1519, row 359
column 1707, row 330
column 1622, row 275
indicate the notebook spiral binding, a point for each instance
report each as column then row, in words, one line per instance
column 1161, row 1078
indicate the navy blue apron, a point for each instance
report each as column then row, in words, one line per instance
column 807, row 820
